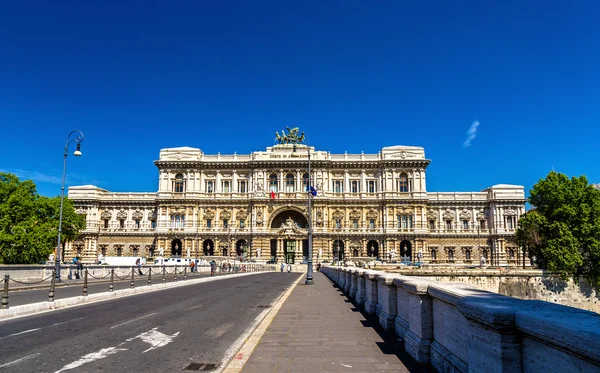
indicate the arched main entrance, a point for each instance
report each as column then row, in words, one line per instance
column 176, row 247
column 208, row 247
column 405, row 250
column 337, row 249
column 283, row 216
column 241, row 248
column 373, row 249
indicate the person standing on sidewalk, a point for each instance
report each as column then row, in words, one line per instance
column 213, row 267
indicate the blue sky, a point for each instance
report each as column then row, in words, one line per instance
column 223, row 76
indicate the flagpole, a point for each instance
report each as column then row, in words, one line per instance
column 309, row 273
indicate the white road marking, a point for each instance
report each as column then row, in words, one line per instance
column 219, row 330
column 105, row 352
column 139, row 318
column 155, row 338
column 66, row 322
column 196, row 307
column 347, row 366
column 19, row 360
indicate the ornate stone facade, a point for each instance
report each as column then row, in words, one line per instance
column 255, row 205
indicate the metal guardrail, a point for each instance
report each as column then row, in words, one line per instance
column 224, row 269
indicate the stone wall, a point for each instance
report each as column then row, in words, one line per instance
column 522, row 284
column 456, row 327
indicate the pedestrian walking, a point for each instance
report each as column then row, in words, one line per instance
column 192, row 266
column 282, row 266
column 213, row 267
column 289, row 267
column 138, row 264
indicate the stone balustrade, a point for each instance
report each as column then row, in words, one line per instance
column 457, row 328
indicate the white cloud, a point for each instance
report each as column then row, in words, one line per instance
column 40, row 177
column 471, row 133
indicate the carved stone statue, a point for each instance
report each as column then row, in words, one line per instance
column 258, row 253
column 188, row 252
column 292, row 137
column 162, row 251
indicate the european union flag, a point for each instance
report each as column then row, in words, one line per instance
column 313, row 191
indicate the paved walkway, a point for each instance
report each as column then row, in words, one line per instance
column 318, row 329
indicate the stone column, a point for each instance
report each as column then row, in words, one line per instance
column 386, row 301
column 370, row 291
column 360, row 287
column 418, row 337
column 494, row 343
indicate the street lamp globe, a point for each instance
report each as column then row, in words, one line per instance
column 77, row 152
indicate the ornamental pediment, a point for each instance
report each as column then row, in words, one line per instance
column 403, row 152
column 290, row 228
column 180, row 154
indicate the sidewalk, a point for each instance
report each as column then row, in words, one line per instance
column 318, row 329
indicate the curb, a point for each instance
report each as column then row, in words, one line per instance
column 236, row 364
column 40, row 307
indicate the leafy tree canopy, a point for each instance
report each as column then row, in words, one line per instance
column 29, row 222
column 562, row 232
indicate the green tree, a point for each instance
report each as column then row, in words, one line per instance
column 29, row 222
column 562, row 232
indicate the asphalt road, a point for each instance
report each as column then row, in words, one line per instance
column 161, row 331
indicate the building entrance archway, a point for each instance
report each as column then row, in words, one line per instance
column 283, row 216
column 405, row 250
column 176, row 247
column 208, row 247
column 241, row 248
column 337, row 249
column 373, row 249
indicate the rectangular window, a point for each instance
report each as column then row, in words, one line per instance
column 153, row 223
column 289, row 184
column 450, row 253
column 338, row 186
column 242, row 223
column 405, row 221
column 208, row 223
column 372, row 186
column 226, row 186
column 242, row 186
column 210, row 187
column 483, row 224
column 448, row 224
column 106, row 223
column 338, row 223
column 432, row 225
column 465, row 224
column 433, row 254
column 225, row 223
column 121, row 223
column 137, row 223
column 355, row 223
column 372, row 223
column 467, row 253
column 510, row 222
column 355, row 186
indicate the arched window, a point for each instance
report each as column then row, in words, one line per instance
column 468, row 254
column 305, row 183
column 403, row 183
column 289, row 183
column 179, row 183
column 451, row 254
column 433, row 254
column 511, row 254
column 273, row 183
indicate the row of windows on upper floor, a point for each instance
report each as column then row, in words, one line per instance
column 403, row 221
column 451, row 251
column 403, row 185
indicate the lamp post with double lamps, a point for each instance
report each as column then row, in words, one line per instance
column 309, row 272
column 77, row 139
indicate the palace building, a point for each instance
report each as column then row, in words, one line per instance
column 255, row 206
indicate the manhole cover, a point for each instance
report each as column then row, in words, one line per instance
column 201, row 367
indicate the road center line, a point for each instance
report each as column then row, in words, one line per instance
column 65, row 322
column 23, row 332
column 139, row 318
column 19, row 360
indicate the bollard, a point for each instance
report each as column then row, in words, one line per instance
column 184, row 273
column 132, row 285
column 5, row 292
column 52, row 284
column 85, row 284
column 175, row 272
column 149, row 276
column 112, row 279
column 163, row 278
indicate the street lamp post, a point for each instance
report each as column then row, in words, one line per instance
column 70, row 139
column 309, row 272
